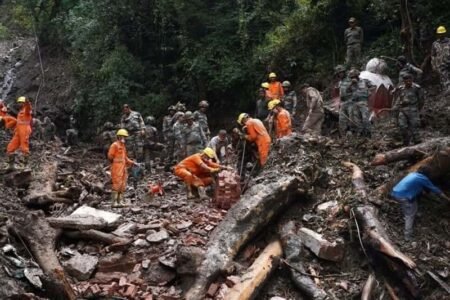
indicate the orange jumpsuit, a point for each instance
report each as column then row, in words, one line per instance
column 257, row 133
column 276, row 90
column 117, row 154
column 194, row 171
column 22, row 132
column 283, row 125
column 10, row 122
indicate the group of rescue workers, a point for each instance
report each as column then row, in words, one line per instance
column 196, row 156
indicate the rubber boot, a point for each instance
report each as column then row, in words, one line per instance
column 189, row 193
column 122, row 201
column 11, row 162
column 114, row 199
column 202, row 193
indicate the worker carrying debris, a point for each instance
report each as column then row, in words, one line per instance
column 196, row 171
column 407, row 192
column 21, row 134
column 118, row 157
column 282, row 118
column 256, row 133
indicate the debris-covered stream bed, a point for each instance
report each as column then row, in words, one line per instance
column 310, row 225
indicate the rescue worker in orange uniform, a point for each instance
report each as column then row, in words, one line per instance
column 196, row 171
column 21, row 133
column 275, row 87
column 282, row 118
column 267, row 93
column 8, row 121
column 118, row 157
column 256, row 133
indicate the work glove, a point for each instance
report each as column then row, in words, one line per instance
column 215, row 170
column 228, row 168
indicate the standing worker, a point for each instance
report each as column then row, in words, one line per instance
column 440, row 57
column 405, row 67
column 196, row 172
column 256, row 133
column 167, row 131
column 314, row 103
column 132, row 121
column 193, row 137
column 282, row 118
column 407, row 192
column 275, row 87
column 202, row 119
column 118, row 157
column 21, row 133
column 353, row 38
column 409, row 102
column 261, row 105
column 289, row 99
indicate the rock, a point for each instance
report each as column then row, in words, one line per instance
column 277, row 298
column 158, row 237
column 189, row 260
column 326, row 206
column 141, row 243
column 126, row 230
column 81, row 266
column 321, row 247
column 157, row 274
column 167, row 261
column 184, row 225
column 110, row 218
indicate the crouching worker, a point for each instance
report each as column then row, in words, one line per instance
column 407, row 192
column 256, row 133
column 196, row 171
column 118, row 157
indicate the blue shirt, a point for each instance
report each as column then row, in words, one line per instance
column 412, row 185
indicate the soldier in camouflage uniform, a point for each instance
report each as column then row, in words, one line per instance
column 360, row 90
column 289, row 99
column 178, row 129
column 440, row 57
column 151, row 141
column 410, row 100
column 202, row 119
column 167, row 131
column 193, row 137
column 72, row 132
column 48, row 130
column 406, row 68
column 132, row 121
column 346, row 109
column 108, row 136
column 353, row 37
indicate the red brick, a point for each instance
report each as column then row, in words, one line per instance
column 212, row 289
column 95, row 289
column 131, row 291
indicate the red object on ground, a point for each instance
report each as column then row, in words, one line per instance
column 156, row 189
column 228, row 189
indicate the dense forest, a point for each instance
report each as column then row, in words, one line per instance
column 152, row 53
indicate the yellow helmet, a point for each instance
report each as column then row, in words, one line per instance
column 241, row 117
column 273, row 103
column 265, row 85
column 122, row 132
column 441, row 29
column 21, row 99
column 272, row 75
column 209, row 152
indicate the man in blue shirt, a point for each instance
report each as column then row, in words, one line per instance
column 407, row 192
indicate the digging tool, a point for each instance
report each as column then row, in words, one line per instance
column 242, row 160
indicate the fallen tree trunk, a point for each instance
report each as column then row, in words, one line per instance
column 255, row 209
column 82, row 222
column 412, row 152
column 34, row 230
column 292, row 247
column 250, row 283
column 95, row 235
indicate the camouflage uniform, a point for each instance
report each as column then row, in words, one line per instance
column 135, row 126
column 72, row 133
column 179, row 148
column 193, row 138
column 409, row 69
column 353, row 38
column 48, row 130
column 108, row 136
column 167, row 131
column 409, row 102
column 151, row 144
column 202, row 119
column 314, row 103
column 440, row 60
column 346, row 109
column 360, row 111
column 290, row 102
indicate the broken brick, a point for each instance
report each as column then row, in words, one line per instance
column 212, row 290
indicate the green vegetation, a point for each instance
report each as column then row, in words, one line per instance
column 156, row 52
column 3, row 32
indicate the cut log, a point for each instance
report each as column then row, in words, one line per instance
column 321, row 247
column 368, row 288
column 412, row 152
column 82, row 222
column 292, row 248
column 34, row 230
column 247, row 217
column 95, row 235
column 250, row 283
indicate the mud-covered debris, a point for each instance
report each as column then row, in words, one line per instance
column 157, row 237
column 141, row 243
column 81, row 266
column 109, row 218
column 333, row 251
